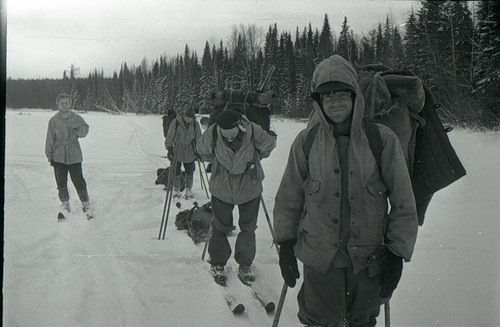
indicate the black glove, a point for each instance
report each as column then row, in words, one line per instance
column 51, row 162
column 391, row 274
column 288, row 262
column 170, row 153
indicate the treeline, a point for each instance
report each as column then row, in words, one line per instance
column 454, row 48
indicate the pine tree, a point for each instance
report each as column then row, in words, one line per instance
column 343, row 44
column 487, row 67
column 325, row 44
column 411, row 42
column 379, row 44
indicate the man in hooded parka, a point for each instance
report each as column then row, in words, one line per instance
column 235, row 146
column 182, row 136
column 331, row 209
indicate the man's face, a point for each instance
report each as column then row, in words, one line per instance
column 229, row 134
column 64, row 104
column 337, row 105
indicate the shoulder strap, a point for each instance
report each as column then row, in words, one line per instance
column 375, row 140
column 311, row 135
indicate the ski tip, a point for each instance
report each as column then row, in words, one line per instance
column 269, row 307
column 239, row 309
column 220, row 281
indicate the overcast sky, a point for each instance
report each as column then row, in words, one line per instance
column 45, row 37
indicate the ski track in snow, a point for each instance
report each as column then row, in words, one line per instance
column 113, row 271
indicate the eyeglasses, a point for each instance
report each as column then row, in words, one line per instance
column 336, row 94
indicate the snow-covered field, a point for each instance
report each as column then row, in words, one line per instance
column 114, row 272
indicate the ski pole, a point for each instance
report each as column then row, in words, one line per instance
column 209, row 236
column 168, row 207
column 205, row 170
column 284, row 289
column 171, row 186
column 387, row 314
column 280, row 305
column 203, row 183
column 167, row 196
column 267, row 217
column 201, row 177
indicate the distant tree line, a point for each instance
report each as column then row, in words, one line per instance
column 453, row 47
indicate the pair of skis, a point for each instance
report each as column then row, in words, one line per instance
column 258, row 291
column 62, row 217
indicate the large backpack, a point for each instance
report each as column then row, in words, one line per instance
column 196, row 221
column 255, row 105
column 400, row 101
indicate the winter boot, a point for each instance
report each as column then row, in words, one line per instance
column 177, row 193
column 189, row 194
column 189, row 186
column 86, row 209
column 245, row 274
column 64, row 210
column 218, row 274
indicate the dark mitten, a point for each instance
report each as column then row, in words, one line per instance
column 391, row 274
column 288, row 262
column 51, row 162
column 170, row 153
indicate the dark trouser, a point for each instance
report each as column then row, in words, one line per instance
column 339, row 296
column 76, row 174
column 189, row 168
column 218, row 247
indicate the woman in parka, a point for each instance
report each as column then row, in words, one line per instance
column 65, row 155
column 331, row 208
column 235, row 146
column 183, row 134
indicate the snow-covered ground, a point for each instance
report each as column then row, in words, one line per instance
column 114, row 272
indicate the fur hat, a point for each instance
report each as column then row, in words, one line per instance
column 329, row 87
column 334, row 87
column 228, row 119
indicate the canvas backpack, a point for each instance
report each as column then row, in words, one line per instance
column 400, row 101
column 196, row 221
column 254, row 105
column 162, row 176
column 199, row 223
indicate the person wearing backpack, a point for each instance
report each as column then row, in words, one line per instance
column 183, row 134
column 331, row 209
column 64, row 153
column 235, row 146
column 167, row 120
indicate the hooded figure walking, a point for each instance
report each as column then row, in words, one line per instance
column 182, row 136
column 235, row 146
column 65, row 155
column 331, row 209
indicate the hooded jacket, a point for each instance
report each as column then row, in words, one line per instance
column 61, row 143
column 183, row 136
column 236, row 176
column 307, row 205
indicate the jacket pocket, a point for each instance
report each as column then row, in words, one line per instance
column 377, row 188
column 312, row 186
